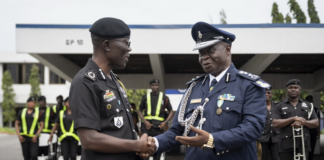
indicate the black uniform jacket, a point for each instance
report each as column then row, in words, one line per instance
column 285, row 110
column 67, row 122
column 95, row 100
column 269, row 130
column 29, row 120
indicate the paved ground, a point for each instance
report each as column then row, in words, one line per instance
column 10, row 149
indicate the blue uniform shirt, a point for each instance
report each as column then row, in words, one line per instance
column 236, row 129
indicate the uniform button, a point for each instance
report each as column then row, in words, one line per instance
column 218, row 154
column 263, row 132
column 193, row 78
column 269, row 112
column 286, row 136
column 127, row 110
column 271, row 131
column 188, row 110
column 133, row 130
column 207, row 100
column 270, row 119
column 227, row 151
column 227, row 108
column 305, row 134
column 222, row 152
column 271, row 125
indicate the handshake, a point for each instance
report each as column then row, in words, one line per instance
column 147, row 146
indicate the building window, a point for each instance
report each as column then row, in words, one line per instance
column 55, row 79
column 20, row 72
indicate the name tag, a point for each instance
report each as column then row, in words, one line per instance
column 198, row 100
column 284, row 108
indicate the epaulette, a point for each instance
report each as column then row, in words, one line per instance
column 275, row 102
column 198, row 78
column 90, row 75
column 248, row 75
column 255, row 79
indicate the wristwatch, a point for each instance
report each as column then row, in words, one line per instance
column 209, row 144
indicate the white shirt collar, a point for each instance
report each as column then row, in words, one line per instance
column 218, row 78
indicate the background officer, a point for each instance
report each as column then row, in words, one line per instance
column 293, row 112
column 59, row 106
column 49, row 118
column 154, row 106
column 232, row 102
column 28, row 119
column 270, row 136
column 67, row 135
column 314, row 132
column 101, row 111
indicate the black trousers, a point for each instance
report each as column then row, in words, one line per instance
column 29, row 149
column 290, row 155
column 313, row 142
column 69, row 148
column 271, row 147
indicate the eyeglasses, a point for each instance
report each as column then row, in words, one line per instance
column 127, row 43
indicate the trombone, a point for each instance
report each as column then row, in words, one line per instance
column 301, row 134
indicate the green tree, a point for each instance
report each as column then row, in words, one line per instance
column 322, row 102
column 135, row 96
column 298, row 14
column 277, row 17
column 8, row 103
column 312, row 12
column 223, row 17
column 288, row 18
column 34, row 81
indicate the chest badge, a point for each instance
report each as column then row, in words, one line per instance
column 304, row 105
column 226, row 97
column 118, row 120
column 109, row 96
column 197, row 100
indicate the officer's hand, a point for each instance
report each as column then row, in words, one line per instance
column 296, row 124
column 49, row 139
column 161, row 126
column 148, row 125
column 197, row 141
column 21, row 139
column 34, row 139
column 301, row 120
column 148, row 147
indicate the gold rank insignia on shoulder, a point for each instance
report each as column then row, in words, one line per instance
column 197, row 100
column 264, row 85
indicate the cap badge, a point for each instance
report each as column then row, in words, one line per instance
column 199, row 35
column 295, row 82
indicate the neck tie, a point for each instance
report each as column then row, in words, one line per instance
column 212, row 85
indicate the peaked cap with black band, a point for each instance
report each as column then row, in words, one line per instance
column 155, row 81
column 206, row 35
column 293, row 82
column 110, row 28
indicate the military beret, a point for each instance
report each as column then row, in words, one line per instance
column 293, row 82
column 110, row 28
column 206, row 35
column 154, row 81
column 31, row 99
column 40, row 98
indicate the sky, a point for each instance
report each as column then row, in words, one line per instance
column 14, row 12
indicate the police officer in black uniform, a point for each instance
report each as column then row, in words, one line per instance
column 49, row 118
column 28, row 120
column 67, row 135
column 270, row 136
column 154, row 105
column 101, row 111
column 293, row 112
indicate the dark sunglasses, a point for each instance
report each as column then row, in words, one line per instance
column 127, row 43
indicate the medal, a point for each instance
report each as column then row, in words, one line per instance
column 219, row 111
column 219, row 104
